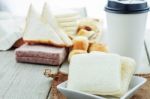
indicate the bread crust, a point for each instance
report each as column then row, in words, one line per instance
column 74, row 52
column 46, row 42
column 80, row 43
column 98, row 47
column 18, row 43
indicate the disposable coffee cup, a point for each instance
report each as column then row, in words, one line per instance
column 126, row 27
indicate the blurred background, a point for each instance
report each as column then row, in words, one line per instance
column 95, row 8
column 20, row 7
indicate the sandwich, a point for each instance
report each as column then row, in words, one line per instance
column 36, row 31
column 100, row 73
column 48, row 18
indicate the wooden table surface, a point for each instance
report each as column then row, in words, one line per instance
column 26, row 81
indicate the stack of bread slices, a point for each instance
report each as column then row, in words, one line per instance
column 68, row 21
column 46, row 42
column 44, row 29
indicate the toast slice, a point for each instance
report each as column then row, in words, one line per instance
column 95, row 73
column 49, row 19
column 36, row 31
column 100, row 73
column 128, row 69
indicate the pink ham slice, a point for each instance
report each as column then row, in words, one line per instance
column 41, row 54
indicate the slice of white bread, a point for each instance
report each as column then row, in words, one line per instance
column 74, row 52
column 48, row 18
column 66, row 13
column 68, row 24
column 67, row 29
column 95, row 73
column 128, row 69
column 68, row 19
column 100, row 73
column 37, row 31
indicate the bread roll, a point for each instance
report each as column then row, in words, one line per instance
column 83, row 32
column 74, row 52
column 90, row 24
column 98, row 47
column 91, row 28
column 80, row 43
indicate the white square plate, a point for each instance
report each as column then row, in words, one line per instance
column 135, row 84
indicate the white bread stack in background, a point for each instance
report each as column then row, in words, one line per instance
column 100, row 73
column 48, row 18
column 67, row 20
column 37, row 31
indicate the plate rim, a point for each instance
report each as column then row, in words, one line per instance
column 143, row 80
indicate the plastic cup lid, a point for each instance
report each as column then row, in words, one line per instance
column 127, row 6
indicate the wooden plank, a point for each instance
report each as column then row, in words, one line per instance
column 4, row 60
column 23, row 81
column 64, row 68
column 62, row 76
column 54, row 93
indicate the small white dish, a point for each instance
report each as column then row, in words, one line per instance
column 135, row 84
